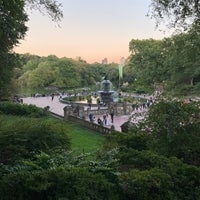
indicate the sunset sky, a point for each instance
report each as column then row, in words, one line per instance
column 90, row 29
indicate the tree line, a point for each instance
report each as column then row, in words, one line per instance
column 50, row 74
column 172, row 63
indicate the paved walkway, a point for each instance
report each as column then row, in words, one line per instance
column 57, row 107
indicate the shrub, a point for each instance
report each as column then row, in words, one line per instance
column 176, row 126
column 10, row 108
column 23, row 137
column 152, row 184
column 58, row 183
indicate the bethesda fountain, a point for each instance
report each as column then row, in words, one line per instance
column 106, row 92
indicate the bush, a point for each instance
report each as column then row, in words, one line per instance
column 23, row 137
column 169, row 182
column 10, row 108
column 152, row 184
column 176, row 126
column 58, row 183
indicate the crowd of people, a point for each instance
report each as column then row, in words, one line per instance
column 107, row 119
column 18, row 99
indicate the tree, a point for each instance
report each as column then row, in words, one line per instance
column 159, row 62
column 12, row 28
column 182, row 62
column 179, row 13
column 147, row 60
column 176, row 126
column 66, row 74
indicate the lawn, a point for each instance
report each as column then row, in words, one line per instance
column 84, row 140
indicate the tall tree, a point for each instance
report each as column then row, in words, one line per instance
column 147, row 61
column 12, row 28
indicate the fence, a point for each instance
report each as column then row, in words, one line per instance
column 90, row 125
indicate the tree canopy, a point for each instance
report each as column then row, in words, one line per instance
column 37, row 74
column 171, row 62
column 176, row 13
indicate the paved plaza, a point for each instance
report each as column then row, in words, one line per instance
column 57, row 107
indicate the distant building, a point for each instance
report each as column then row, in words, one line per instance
column 105, row 61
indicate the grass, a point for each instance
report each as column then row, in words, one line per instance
column 84, row 140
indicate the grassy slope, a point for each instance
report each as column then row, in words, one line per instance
column 85, row 140
column 82, row 139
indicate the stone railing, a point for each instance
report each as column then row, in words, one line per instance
column 82, row 110
column 90, row 125
column 77, row 113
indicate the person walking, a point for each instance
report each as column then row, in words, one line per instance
column 105, row 119
column 52, row 96
column 91, row 117
column 112, row 116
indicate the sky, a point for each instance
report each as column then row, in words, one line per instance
column 90, row 29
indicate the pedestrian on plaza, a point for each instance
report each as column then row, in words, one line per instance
column 108, row 123
column 112, row 116
column 105, row 119
column 91, row 117
column 52, row 96
column 99, row 121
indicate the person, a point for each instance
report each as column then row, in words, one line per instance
column 104, row 119
column 112, row 116
column 99, row 121
column 52, row 97
column 108, row 122
column 91, row 117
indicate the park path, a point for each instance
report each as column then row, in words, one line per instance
column 57, row 107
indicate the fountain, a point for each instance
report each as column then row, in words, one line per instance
column 106, row 92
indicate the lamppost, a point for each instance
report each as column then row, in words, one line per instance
column 121, row 65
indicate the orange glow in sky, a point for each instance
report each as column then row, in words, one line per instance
column 90, row 29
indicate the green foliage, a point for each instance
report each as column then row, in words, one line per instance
column 152, row 184
column 153, row 65
column 12, row 29
column 135, row 165
column 176, row 13
column 89, row 99
column 41, row 73
column 23, row 137
column 58, row 183
column 177, row 127
column 182, row 55
column 159, row 63
column 52, row 8
column 160, row 158
column 147, row 57
column 135, row 139
column 10, row 108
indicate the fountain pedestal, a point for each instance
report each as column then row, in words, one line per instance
column 106, row 92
